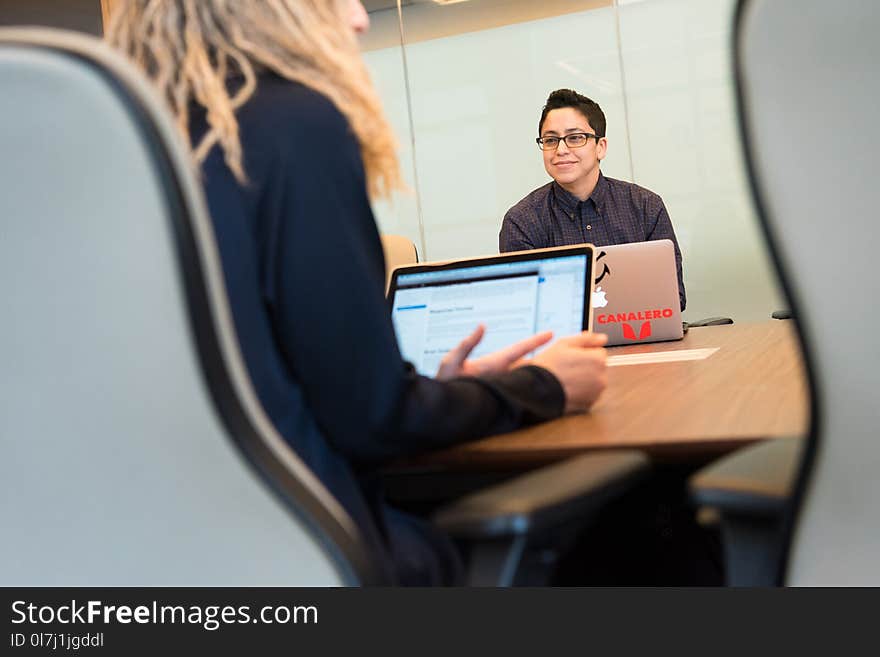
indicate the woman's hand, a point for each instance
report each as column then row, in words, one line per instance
column 456, row 363
column 579, row 362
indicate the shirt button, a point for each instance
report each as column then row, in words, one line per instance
column 589, row 227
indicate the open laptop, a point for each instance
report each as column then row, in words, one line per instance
column 434, row 306
column 635, row 298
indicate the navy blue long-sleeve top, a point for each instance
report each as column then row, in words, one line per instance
column 305, row 274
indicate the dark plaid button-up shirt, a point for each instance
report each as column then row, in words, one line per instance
column 617, row 212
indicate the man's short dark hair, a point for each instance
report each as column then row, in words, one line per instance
column 569, row 98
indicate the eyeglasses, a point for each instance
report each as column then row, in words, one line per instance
column 574, row 140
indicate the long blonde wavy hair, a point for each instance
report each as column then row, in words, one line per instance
column 190, row 48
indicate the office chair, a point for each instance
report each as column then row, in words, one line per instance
column 806, row 68
column 399, row 251
column 134, row 449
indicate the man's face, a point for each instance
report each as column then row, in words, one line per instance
column 570, row 166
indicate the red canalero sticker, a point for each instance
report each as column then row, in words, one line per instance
column 640, row 316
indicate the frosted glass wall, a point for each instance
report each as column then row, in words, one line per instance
column 401, row 215
column 661, row 71
column 677, row 63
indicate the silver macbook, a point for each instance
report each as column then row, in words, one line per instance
column 635, row 298
column 434, row 306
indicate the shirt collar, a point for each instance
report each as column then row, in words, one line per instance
column 568, row 202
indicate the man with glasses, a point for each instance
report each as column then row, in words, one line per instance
column 581, row 204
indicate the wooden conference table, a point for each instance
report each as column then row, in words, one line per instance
column 751, row 388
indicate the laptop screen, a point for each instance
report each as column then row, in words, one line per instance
column 434, row 307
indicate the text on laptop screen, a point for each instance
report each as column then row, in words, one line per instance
column 434, row 311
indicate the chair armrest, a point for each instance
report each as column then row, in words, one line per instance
column 754, row 481
column 543, row 498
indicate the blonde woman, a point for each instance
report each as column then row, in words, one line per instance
column 278, row 107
